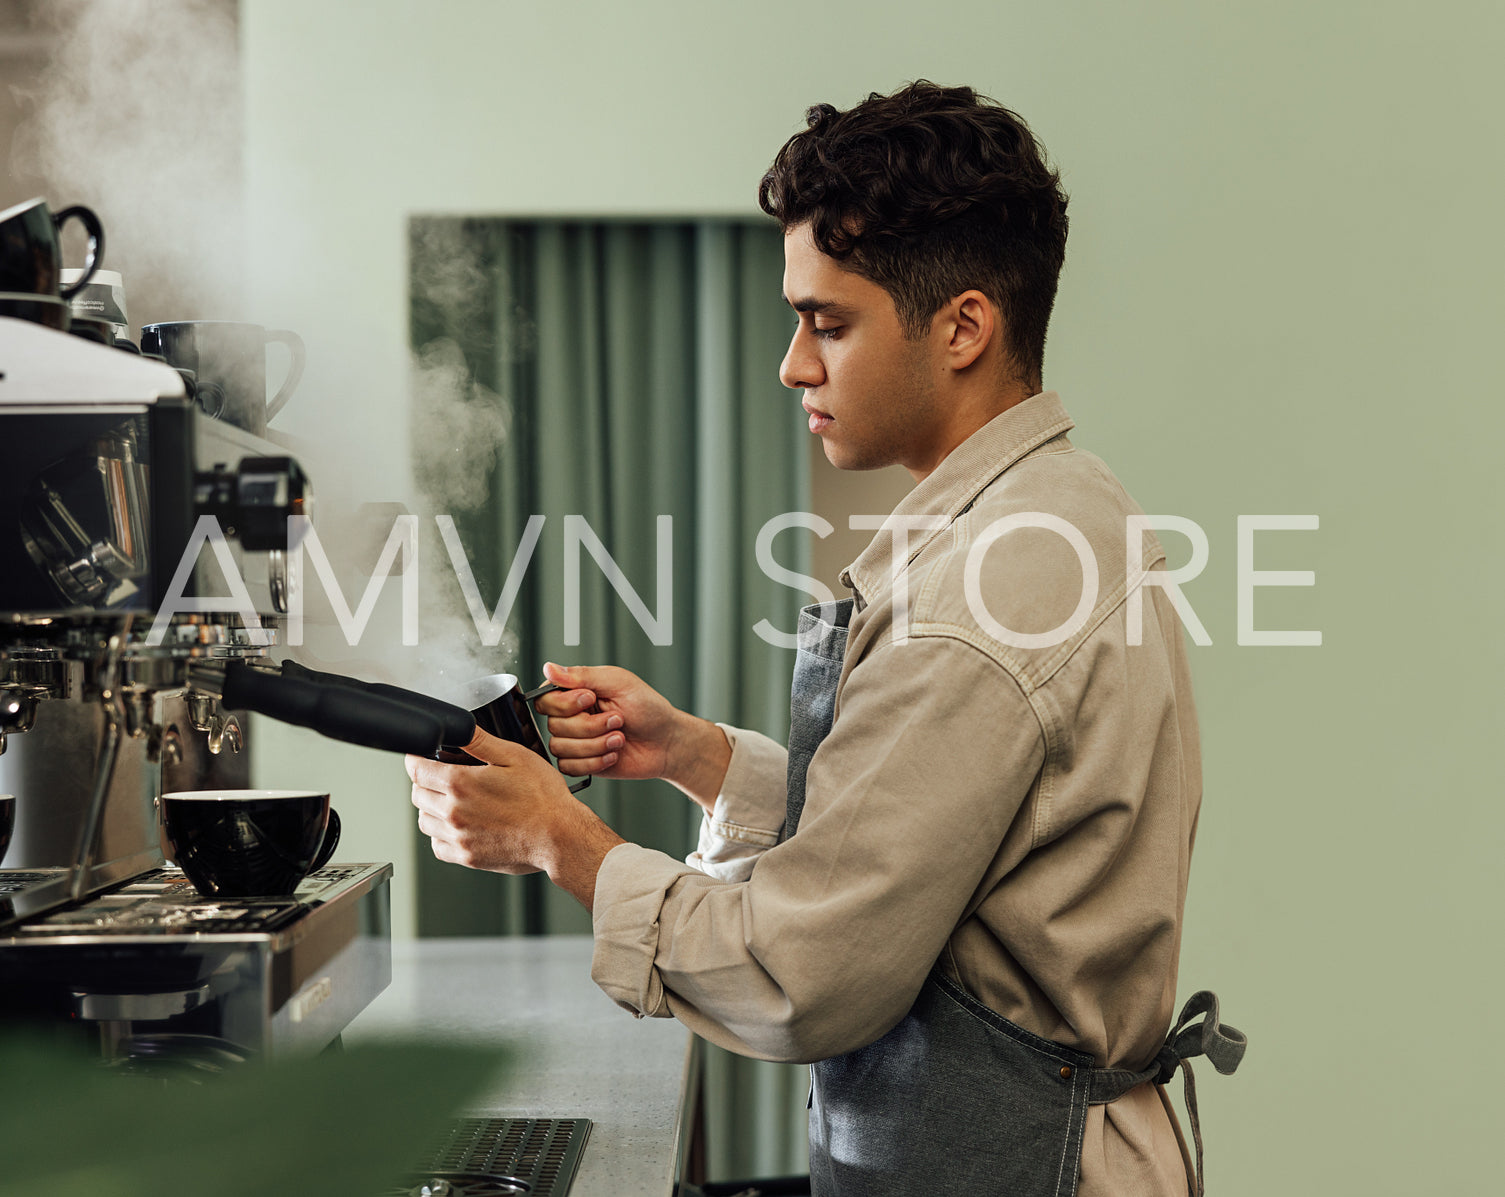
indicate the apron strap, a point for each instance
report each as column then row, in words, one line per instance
column 1220, row 1043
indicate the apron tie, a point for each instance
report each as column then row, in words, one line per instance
column 1220, row 1043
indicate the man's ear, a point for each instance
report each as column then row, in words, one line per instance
column 970, row 321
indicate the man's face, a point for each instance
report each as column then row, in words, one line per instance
column 871, row 393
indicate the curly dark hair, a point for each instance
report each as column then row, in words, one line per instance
column 930, row 192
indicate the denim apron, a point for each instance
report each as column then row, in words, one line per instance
column 956, row 1100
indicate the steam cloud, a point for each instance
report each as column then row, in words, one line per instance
column 463, row 423
column 138, row 115
column 459, row 425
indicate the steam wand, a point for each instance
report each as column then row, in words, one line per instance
column 371, row 716
column 114, row 711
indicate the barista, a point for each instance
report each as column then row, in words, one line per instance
column 959, row 892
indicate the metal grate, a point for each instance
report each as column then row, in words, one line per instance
column 17, row 880
column 490, row 1157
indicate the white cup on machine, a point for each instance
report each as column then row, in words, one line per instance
column 102, row 298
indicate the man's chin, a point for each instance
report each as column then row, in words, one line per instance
column 836, row 455
column 849, row 457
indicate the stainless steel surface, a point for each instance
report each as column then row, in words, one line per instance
column 153, row 957
column 101, row 460
column 55, row 770
column 139, row 1007
column 106, row 468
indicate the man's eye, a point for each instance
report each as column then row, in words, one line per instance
column 827, row 334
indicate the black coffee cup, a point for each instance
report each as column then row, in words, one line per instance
column 7, row 822
column 31, row 255
column 230, row 360
column 47, row 310
column 503, row 708
column 249, row 843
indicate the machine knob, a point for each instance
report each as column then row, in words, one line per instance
column 252, row 502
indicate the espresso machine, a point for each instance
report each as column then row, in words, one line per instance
column 107, row 465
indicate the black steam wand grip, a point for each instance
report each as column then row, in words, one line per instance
column 342, row 713
column 459, row 725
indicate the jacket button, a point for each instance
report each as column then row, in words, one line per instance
column 1065, row 1072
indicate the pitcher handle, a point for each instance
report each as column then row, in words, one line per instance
column 548, row 688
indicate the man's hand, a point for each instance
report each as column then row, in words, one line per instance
column 513, row 815
column 628, row 735
column 634, row 731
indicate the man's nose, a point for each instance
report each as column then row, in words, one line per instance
column 801, row 368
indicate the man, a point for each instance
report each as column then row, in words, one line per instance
column 959, row 893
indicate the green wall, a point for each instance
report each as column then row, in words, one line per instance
column 1282, row 283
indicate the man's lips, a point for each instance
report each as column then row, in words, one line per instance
column 819, row 420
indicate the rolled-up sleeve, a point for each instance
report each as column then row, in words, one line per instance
column 825, row 943
column 748, row 814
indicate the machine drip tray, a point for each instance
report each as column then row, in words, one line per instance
column 18, row 881
column 493, row 1157
column 164, row 903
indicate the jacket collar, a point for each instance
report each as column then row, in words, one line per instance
column 954, row 485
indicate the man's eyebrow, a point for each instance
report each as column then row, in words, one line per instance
column 810, row 304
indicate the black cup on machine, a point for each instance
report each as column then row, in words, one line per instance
column 503, row 708
column 249, row 843
column 31, row 254
column 7, row 822
column 230, row 362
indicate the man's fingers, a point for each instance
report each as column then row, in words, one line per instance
column 573, row 677
column 584, row 727
column 574, row 749
column 431, row 775
column 432, row 826
column 580, row 766
column 433, row 803
column 496, row 751
column 445, row 850
column 564, row 702
column 438, row 830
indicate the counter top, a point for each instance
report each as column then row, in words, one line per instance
column 579, row 1054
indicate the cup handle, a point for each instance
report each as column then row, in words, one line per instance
column 294, row 343
column 548, row 688
column 331, row 842
column 96, row 244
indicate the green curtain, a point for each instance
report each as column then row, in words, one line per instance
column 636, row 363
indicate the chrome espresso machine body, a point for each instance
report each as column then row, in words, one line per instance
column 106, row 466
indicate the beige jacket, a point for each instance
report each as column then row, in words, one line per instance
column 1011, row 786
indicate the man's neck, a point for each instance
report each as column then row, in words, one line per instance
column 972, row 412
